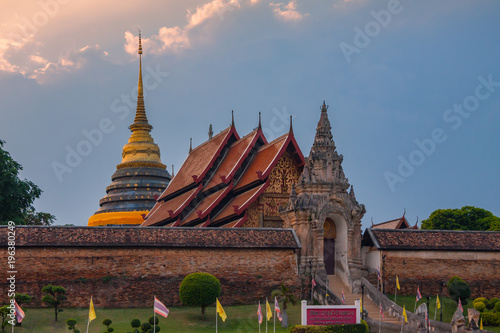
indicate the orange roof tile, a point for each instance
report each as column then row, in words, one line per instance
column 198, row 162
column 240, row 203
column 237, row 153
column 170, row 209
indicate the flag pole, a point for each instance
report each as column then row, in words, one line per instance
column 88, row 320
column 260, row 314
column 266, row 313
column 154, row 315
column 396, row 295
column 216, row 315
column 402, row 323
column 379, row 318
column 274, row 330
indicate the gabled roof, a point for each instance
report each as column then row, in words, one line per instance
column 437, row 240
column 220, row 179
column 400, row 223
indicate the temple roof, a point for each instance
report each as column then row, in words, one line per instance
column 400, row 223
column 221, row 178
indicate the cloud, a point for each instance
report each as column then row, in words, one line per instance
column 176, row 39
column 287, row 13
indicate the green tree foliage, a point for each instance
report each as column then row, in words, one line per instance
column 199, row 289
column 465, row 218
column 54, row 296
column 458, row 288
column 285, row 296
column 494, row 223
column 107, row 322
column 17, row 196
column 71, row 324
column 136, row 323
column 4, row 312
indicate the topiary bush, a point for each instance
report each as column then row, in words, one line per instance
column 479, row 306
column 199, row 289
column 480, row 299
column 492, row 302
column 490, row 319
column 496, row 308
column 458, row 289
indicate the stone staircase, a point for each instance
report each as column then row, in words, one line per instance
column 336, row 285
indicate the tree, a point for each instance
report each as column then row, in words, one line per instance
column 17, row 196
column 107, row 322
column 284, row 294
column 71, row 325
column 136, row 323
column 54, row 296
column 199, row 289
column 465, row 218
column 458, row 288
column 4, row 313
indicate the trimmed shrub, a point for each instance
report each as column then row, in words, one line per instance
column 366, row 325
column 352, row 328
column 479, row 306
column 496, row 308
column 199, row 289
column 480, row 299
column 491, row 319
column 492, row 302
column 458, row 288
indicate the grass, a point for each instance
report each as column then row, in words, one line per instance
column 448, row 305
column 240, row 319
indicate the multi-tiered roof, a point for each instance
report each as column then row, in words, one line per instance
column 231, row 181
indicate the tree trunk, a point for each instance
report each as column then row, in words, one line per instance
column 203, row 312
column 56, row 311
column 284, row 322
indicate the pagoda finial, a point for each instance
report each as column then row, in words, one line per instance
column 172, row 171
column 210, row 132
column 324, row 107
column 232, row 118
column 190, row 145
column 260, row 124
column 141, row 120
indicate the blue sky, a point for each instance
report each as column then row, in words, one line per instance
column 413, row 89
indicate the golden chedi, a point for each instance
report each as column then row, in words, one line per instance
column 139, row 179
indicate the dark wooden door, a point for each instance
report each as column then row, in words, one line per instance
column 329, row 255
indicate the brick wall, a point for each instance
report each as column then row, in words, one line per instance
column 121, row 271
column 427, row 268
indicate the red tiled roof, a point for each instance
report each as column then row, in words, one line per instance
column 206, row 205
column 167, row 210
column 199, row 162
column 438, row 240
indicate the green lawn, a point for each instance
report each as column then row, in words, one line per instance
column 240, row 319
column 448, row 305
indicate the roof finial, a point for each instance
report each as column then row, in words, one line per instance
column 404, row 213
column 232, row 118
column 372, row 221
column 291, row 125
column 190, row 145
column 173, row 171
column 260, row 124
column 210, row 132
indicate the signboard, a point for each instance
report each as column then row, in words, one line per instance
column 330, row 314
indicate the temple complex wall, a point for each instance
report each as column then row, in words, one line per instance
column 126, row 266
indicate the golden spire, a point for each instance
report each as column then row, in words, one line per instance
column 140, row 149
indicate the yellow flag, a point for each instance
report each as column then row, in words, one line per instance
column 361, row 305
column 92, row 315
column 221, row 311
column 438, row 303
column 404, row 314
column 397, row 282
column 481, row 324
column 269, row 312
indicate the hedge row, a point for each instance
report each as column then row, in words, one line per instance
column 490, row 319
column 352, row 328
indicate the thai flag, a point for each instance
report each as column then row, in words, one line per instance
column 419, row 296
column 378, row 274
column 160, row 308
column 460, row 305
column 19, row 312
column 381, row 311
column 313, row 283
column 277, row 309
column 343, row 298
column 259, row 314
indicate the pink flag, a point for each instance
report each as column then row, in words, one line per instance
column 378, row 274
column 460, row 305
column 160, row 308
column 259, row 314
column 343, row 298
column 381, row 311
column 313, row 283
column 19, row 312
column 277, row 309
column 419, row 296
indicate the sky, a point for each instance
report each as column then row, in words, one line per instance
column 413, row 89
